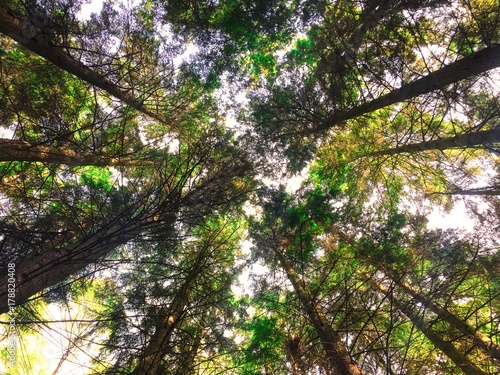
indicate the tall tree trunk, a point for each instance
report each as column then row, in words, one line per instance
column 480, row 62
column 339, row 358
column 457, row 357
column 370, row 18
column 155, row 351
column 292, row 346
column 67, row 253
column 52, row 264
column 478, row 338
column 157, row 347
column 483, row 138
column 16, row 150
column 487, row 191
column 31, row 37
column 188, row 365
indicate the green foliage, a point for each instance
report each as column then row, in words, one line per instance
column 304, row 53
column 96, row 178
column 262, row 64
column 266, row 338
column 332, row 181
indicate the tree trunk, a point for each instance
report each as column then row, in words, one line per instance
column 478, row 338
column 53, row 264
column 16, row 150
column 292, row 345
column 155, row 350
column 339, row 358
column 486, row 191
column 458, row 358
column 371, row 16
column 480, row 62
column 188, row 365
column 32, row 38
column 484, row 137
column 157, row 346
column 66, row 253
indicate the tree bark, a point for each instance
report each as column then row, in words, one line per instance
column 458, row 358
column 478, row 338
column 17, row 150
column 293, row 354
column 339, row 358
column 484, row 137
column 155, row 210
column 480, row 62
column 189, row 366
column 53, row 264
column 486, row 191
column 155, row 350
column 31, row 37
column 157, row 346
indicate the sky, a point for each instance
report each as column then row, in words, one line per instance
column 86, row 10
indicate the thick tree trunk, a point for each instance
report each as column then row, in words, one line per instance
column 32, row 38
column 457, row 357
column 480, row 62
column 55, row 261
column 477, row 337
column 67, row 253
column 480, row 138
column 16, row 150
column 339, row 358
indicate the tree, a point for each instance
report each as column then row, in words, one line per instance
column 14, row 150
column 64, row 252
column 356, row 267
column 279, row 244
column 405, row 271
column 121, row 183
column 22, row 29
column 212, row 240
column 478, row 338
column 334, row 83
column 458, row 358
column 483, row 138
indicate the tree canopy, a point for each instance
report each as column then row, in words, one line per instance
column 148, row 219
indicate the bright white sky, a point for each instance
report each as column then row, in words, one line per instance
column 86, row 10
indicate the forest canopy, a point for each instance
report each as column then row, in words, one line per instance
column 148, row 219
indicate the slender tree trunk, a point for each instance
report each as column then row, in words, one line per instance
column 457, row 357
column 16, row 150
column 480, row 62
column 32, row 38
column 188, row 366
column 478, row 338
column 486, row 191
column 371, row 17
column 339, row 358
column 293, row 353
column 155, row 351
column 484, row 137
